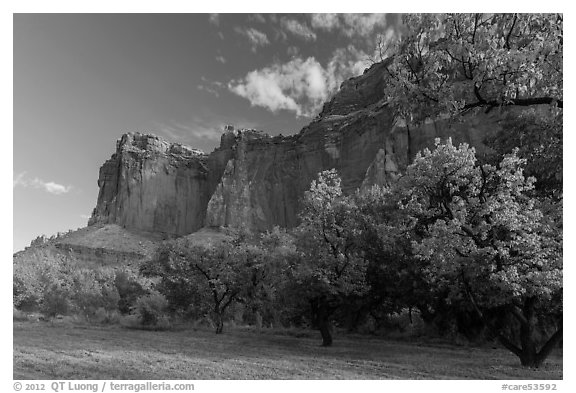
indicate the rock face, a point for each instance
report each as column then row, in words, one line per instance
column 152, row 185
column 257, row 181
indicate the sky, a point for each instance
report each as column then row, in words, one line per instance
column 82, row 80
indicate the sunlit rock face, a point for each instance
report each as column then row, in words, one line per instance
column 256, row 181
column 152, row 185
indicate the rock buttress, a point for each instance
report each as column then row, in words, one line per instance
column 152, row 185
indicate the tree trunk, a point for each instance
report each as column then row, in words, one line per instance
column 530, row 356
column 218, row 321
column 321, row 320
column 324, row 326
column 527, row 352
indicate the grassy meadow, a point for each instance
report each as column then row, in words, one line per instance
column 45, row 350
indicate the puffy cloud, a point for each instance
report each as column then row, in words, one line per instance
column 266, row 88
column 221, row 59
column 298, row 29
column 256, row 37
column 50, row 187
column 300, row 86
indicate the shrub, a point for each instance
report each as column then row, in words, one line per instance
column 129, row 290
column 94, row 289
column 104, row 316
column 55, row 301
column 151, row 309
column 34, row 273
column 18, row 315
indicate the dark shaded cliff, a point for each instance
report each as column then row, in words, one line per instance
column 257, row 181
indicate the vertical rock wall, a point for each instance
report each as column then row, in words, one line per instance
column 152, row 185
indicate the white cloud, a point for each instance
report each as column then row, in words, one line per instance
column 298, row 29
column 50, row 187
column 300, row 86
column 19, row 179
column 324, row 21
column 353, row 25
column 256, row 37
column 363, row 24
column 221, row 59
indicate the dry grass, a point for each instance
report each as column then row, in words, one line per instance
column 51, row 351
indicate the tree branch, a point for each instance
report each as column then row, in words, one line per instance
column 501, row 338
column 509, row 345
column 518, row 314
column 507, row 44
column 517, row 102
column 550, row 344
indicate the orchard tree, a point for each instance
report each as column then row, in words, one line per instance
column 209, row 274
column 394, row 273
column 538, row 137
column 330, row 267
column 446, row 64
column 214, row 276
column 487, row 243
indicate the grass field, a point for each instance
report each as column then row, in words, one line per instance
column 46, row 351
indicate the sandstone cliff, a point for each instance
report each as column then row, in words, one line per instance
column 257, row 181
column 152, row 185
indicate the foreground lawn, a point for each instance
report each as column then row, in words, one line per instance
column 46, row 351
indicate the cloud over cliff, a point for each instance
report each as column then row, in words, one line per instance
column 299, row 85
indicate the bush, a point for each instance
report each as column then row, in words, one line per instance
column 18, row 315
column 92, row 290
column 55, row 302
column 104, row 316
column 151, row 310
column 36, row 272
column 129, row 290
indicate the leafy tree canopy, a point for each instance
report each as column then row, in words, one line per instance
column 445, row 64
column 484, row 237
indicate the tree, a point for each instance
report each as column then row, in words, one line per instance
column 487, row 242
column 330, row 266
column 205, row 273
column 446, row 64
column 270, row 254
column 538, row 136
column 212, row 277
column 393, row 274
